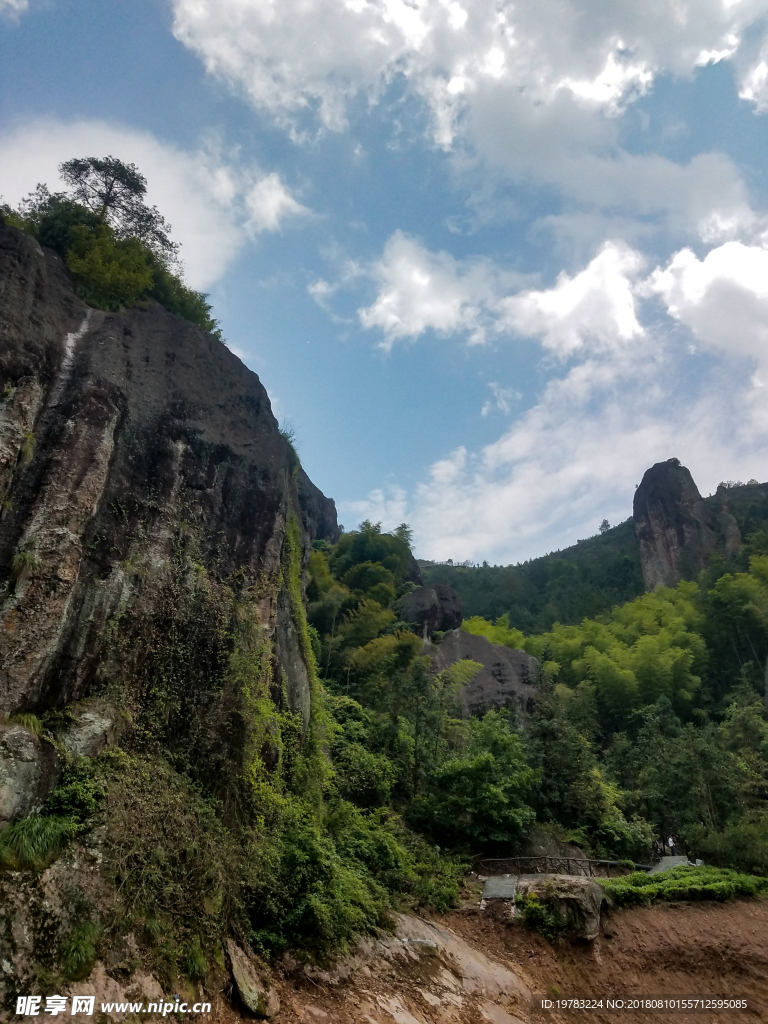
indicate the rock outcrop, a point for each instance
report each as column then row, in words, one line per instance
column 676, row 530
column 575, row 901
column 140, row 465
column 29, row 768
column 253, row 986
column 434, row 608
column 508, row 677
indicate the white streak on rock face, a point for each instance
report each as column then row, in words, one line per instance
column 70, row 344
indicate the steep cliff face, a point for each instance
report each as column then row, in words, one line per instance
column 508, row 677
column 676, row 529
column 142, row 479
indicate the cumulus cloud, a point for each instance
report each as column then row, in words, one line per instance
column 269, row 203
column 420, row 290
column 633, row 394
column 595, row 308
column 722, row 298
column 317, row 54
column 210, row 202
column 535, row 88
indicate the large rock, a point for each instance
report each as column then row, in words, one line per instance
column 575, row 901
column 508, row 677
column 95, row 727
column 253, row 985
column 29, row 768
column 132, row 445
column 677, row 531
column 434, row 608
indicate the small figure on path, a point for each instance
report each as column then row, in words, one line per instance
column 671, row 842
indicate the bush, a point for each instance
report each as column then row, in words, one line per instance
column 170, row 291
column 682, row 883
column 109, row 273
column 742, row 845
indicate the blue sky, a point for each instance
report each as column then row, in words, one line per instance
column 491, row 261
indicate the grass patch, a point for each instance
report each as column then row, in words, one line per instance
column 34, row 842
column 683, row 883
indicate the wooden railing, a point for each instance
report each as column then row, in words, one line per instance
column 548, row 866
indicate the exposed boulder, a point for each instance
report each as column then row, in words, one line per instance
column 508, row 677
column 677, row 531
column 435, row 608
column 253, row 984
column 29, row 768
column 574, row 900
column 96, row 727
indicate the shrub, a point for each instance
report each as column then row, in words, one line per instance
column 109, row 273
column 683, row 883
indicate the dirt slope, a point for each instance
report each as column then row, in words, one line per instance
column 472, row 968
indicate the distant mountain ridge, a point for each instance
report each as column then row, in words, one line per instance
column 593, row 575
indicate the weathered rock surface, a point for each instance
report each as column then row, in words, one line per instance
column 128, row 440
column 434, row 608
column 575, row 900
column 29, row 768
column 508, row 677
column 253, row 986
column 676, row 530
column 96, row 727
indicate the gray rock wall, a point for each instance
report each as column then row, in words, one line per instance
column 676, row 530
column 126, row 438
column 508, row 677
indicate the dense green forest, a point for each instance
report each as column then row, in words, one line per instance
column 581, row 581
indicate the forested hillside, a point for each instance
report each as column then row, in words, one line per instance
column 584, row 580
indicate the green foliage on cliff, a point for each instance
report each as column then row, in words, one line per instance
column 116, row 246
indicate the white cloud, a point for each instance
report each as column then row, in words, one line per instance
column 722, row 298
column 535, row 87
column 209, row 202
column 318, row 54
column 388, row 507
column 501, row 399
column 595, row 308
column 269, row 203
column 13, row 7
column 419, row 290
column 633, row 395
column 575, row 457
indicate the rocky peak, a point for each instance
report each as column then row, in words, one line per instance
column 676, row 529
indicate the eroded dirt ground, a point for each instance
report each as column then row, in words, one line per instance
column 479, row 968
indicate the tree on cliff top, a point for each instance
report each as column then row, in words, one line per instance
column 114, row 191
column 117, row 248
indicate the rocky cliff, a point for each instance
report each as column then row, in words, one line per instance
column 677, row 531
column 507, row 679
column 143, row 480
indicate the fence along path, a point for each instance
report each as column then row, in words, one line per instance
column 549, row 866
